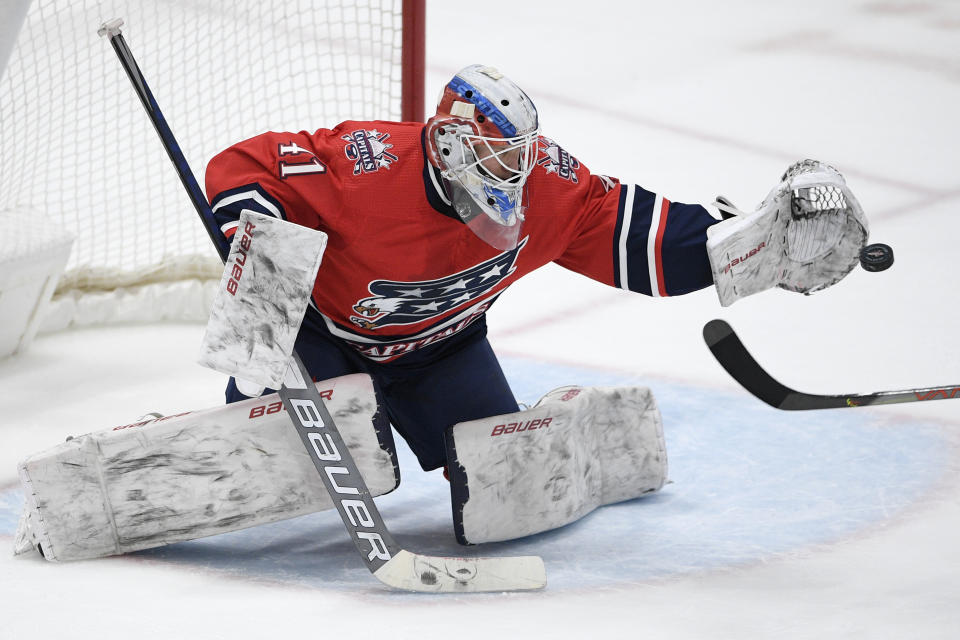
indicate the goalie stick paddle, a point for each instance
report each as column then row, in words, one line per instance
column 729, row 351
column 391, row 564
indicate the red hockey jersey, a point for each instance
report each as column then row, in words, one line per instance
column 401, row 270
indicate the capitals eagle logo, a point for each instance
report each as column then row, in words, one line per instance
column 398, row 303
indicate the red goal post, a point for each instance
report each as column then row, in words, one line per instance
column 77, row 153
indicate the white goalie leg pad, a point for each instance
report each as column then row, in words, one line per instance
column 579, row 448
column 805, row 236
column 264, row 291
column 192, row 475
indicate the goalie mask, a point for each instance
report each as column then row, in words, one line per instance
column 483, row 140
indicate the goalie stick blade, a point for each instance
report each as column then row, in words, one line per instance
column 734, row 357
column 431, row 574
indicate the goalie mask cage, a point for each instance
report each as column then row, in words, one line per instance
column 78, row 151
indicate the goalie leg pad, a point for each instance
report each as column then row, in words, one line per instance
column 579, row 448
column 192, row 475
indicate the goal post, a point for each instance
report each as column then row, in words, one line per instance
column 413, row 60
column 76, row 154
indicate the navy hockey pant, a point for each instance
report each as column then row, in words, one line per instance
column 423, row 392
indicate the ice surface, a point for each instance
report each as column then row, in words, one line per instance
column 838, row 524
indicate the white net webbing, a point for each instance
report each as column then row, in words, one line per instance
column 79, row 152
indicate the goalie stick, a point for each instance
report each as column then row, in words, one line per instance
column 391, row 564
column 734, row 357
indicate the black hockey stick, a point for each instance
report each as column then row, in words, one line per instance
column 734, row 357
column 390, row 563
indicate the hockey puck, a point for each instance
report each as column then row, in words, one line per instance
column 876, row 257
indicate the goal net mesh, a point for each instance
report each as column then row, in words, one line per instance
column 79, row 152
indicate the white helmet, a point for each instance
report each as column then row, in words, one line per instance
column 484, row 141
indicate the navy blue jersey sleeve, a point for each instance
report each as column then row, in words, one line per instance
column 659, row 246
column 634, row 239
column 229, row 204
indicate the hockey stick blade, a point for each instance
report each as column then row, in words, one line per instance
column 316, row 428
column 729, row 351
column 415, row 572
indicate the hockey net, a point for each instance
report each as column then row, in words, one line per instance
column 78, row 152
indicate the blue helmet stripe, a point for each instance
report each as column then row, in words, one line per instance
column 487, row 108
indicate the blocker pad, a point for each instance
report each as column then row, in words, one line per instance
column 264, row 291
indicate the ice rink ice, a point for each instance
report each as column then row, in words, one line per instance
column 828, row 524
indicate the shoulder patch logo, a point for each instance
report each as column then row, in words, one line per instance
column 398, row 303
column 558, row 161
column 368, row 148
